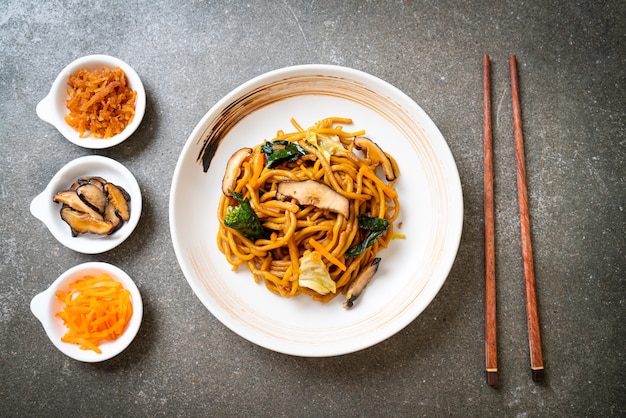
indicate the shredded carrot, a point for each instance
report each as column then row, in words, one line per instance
column 101, row 102
column 96, row 309
column 323, row 251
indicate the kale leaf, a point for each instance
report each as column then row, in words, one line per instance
column 281, row 151
column 375, row 227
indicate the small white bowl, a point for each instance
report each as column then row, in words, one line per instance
column 45, row 209
column 52, row 108
column 46, row 305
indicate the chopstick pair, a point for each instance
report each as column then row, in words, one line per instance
column 532, row 318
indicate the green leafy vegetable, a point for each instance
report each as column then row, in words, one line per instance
column 375, row 227
column 281, row 151
column 243, row 219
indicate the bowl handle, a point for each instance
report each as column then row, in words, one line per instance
column 40, row 305
column 37, row 207
column 45, row 109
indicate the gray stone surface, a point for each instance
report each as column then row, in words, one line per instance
column 190, row 54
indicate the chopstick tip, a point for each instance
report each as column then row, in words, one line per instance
column 538, row 375
column 492, row 378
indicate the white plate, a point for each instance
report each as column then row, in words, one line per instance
column 46, row 210
column 46, row 305
column 412, row 270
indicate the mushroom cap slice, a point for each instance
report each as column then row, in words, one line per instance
column 233, row 168
column 71, row 199
column 112, row 215
column 96, row 180
column 118, row 197
column 311, row 192
column 81, row 222
column 93, row 196
column 361, row 281
column 375, row 154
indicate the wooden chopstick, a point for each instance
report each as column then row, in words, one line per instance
column 491, row 352
column 532, row 317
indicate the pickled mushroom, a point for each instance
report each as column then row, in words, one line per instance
column 93, row 205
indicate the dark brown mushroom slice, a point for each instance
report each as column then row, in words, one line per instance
column 95, row 180
column 71, row 199
column 111, row 215
column 376, row 155
column 233, row 168
column 81, row 222
column 359, row 284
column 125, row 193
column 119, row 198
column 311, row 192
column 77, row 183
column 93, row 196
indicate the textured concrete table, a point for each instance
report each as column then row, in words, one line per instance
column 186, row 363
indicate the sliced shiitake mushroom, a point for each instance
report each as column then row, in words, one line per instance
column 233, row 168
column 95, row 180
column 111, row 215
column 376, row 155
column 93, row 205
column 70, row 198
column 93, row 196
column 311, row 192
column 362, row 280
column 118, row 198
column 82, row 222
